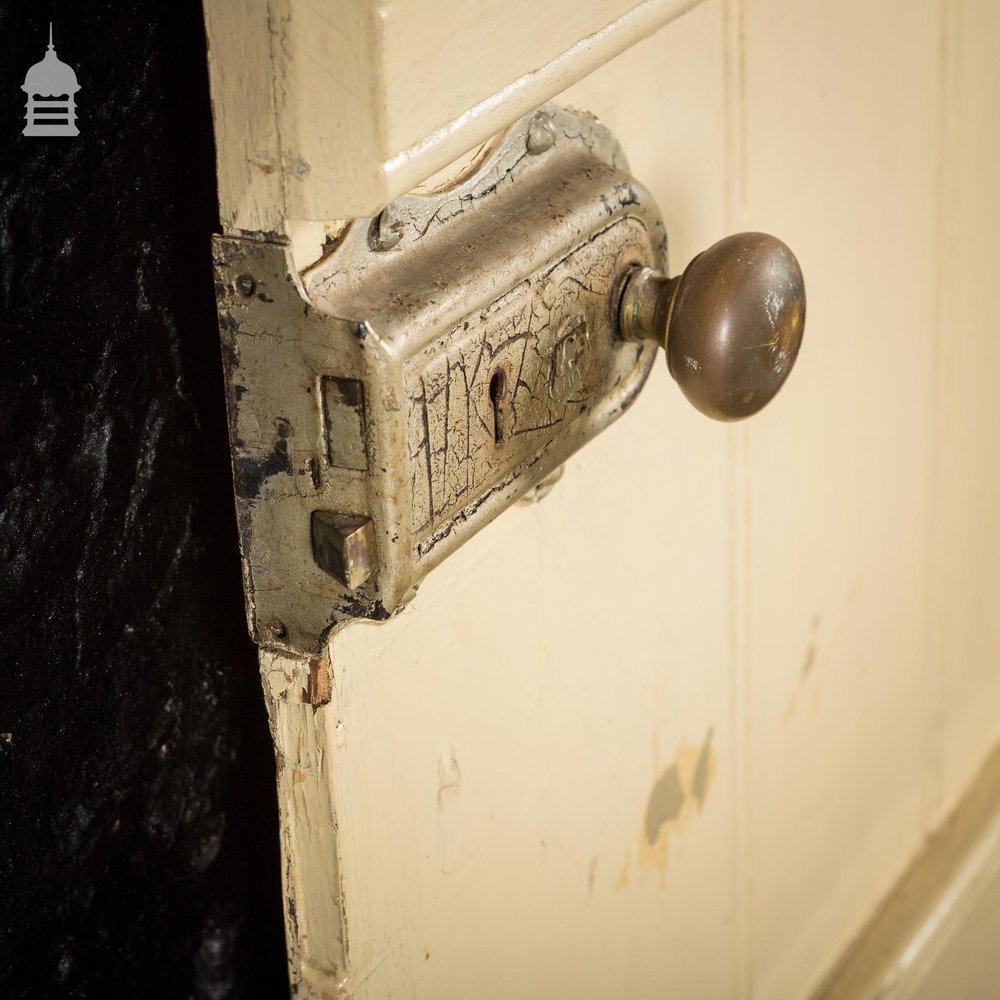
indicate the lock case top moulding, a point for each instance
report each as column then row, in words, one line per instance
column 437, row 364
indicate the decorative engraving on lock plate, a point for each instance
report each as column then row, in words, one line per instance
column 390, row 401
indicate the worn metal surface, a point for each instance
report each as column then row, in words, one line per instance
column 451, row 367
column 731, row 324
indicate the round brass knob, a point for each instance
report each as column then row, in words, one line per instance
column 731, row 324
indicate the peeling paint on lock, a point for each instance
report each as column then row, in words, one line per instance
column 420, row 392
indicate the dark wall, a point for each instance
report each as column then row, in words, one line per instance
column 138, row 822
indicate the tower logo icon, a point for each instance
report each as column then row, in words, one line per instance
column 51, row 87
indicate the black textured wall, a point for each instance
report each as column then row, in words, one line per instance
column 138, row 822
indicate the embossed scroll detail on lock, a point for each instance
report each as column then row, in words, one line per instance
column 436, row 366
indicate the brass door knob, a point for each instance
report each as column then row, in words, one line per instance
column 731, row 324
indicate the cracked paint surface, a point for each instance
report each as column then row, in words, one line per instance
column 454, row 424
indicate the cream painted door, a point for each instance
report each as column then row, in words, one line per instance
column 676, row 730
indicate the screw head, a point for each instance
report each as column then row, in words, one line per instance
column 545, row 487
column 541, row 134
column 245, row 285
column 387, row 230
column 276, row 627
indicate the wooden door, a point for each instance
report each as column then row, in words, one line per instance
column 690, row 765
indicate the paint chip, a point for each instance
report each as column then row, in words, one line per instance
column 449, row 775
column 665, row 802
column 677, row 797
column 699, row 783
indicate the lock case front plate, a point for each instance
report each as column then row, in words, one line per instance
column 391, row 402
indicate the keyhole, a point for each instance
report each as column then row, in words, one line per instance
column 498, row 391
